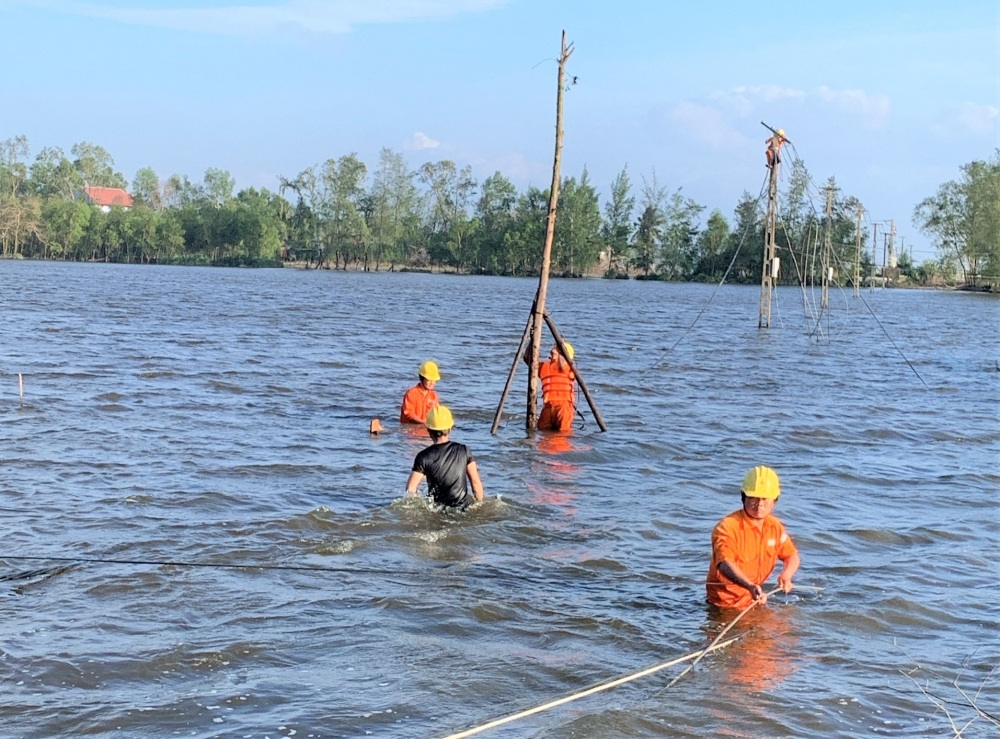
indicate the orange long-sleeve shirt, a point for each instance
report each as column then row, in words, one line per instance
column 416, row 404
column 755, row 552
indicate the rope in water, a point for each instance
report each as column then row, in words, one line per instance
column 591, row 691
column 716, row 644
column 722, row 633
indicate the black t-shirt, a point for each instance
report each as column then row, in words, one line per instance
column 444, row 467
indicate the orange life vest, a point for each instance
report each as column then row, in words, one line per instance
column 557, row 383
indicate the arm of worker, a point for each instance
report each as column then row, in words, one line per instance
column 790, row 565
column 731, row 571
column 408, row 412
column 414, row 482
column 477, row 484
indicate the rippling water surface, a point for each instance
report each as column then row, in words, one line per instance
column 220, row 417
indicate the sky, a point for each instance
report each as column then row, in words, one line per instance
column 888, row 97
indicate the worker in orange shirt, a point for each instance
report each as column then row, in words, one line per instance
column 774, row 143
column 748, row 543
column 558, row 390
column 420, row 398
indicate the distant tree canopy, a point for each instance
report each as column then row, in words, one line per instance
column 963, row 218
column 340, row 214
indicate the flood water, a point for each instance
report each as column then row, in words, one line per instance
column 220, row 417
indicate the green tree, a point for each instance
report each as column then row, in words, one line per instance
column 711, row 247
column 448, row 195
column 19, row 214
column 746, row 242
column 345, row 227
column 577, row 238
column 649, row 228
column 218, row 187
column 394, row 208
column 617, row 228
column 95, row 166
column 963, row 218
column 146, row 189
column 64, row 225
column 54, row 176
column 524, row 239
column 495, row 212
column 677, row 256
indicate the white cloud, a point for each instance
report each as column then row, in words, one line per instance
column 313, row 16
column 741, row 100
column 872, row 109
column 420, row 141
column 707, row 125
column 980, row 119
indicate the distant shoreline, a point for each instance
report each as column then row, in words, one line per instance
column 594, row 274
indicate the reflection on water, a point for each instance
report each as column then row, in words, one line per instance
column 766, row 654
column 222, row 417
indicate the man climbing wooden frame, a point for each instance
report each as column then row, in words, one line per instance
column 533, row 331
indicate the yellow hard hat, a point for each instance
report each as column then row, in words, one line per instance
column 429, row 371
column 762, row 482
column 570, row 352
column 439, row 418
column 781, row 132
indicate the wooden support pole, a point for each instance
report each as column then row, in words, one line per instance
column 531, row 417
column 518, row 358
column 560, row 342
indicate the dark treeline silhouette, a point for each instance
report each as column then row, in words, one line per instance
column 341, row 215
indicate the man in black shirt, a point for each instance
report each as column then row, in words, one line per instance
column 447, row 465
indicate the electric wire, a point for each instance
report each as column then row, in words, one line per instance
column 840, row 262
column 732, row 262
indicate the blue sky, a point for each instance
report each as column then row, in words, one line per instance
column 888, row 97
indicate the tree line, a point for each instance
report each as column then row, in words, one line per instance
column 963, row 219
column 340, row 215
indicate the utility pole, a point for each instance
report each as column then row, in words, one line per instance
column 857, row 255
column 772, row 265
column 893, row 261
column 824, row 302
column 874, row 252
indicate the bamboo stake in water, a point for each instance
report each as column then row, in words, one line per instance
column 20, row 387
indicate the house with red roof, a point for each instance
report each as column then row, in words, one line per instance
column 107, row 197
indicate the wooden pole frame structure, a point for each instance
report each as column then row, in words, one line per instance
column 533, row 330
column 531, row 416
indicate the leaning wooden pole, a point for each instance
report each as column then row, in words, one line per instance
column 560, row 342
column 518, row 358
column 535, row 325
